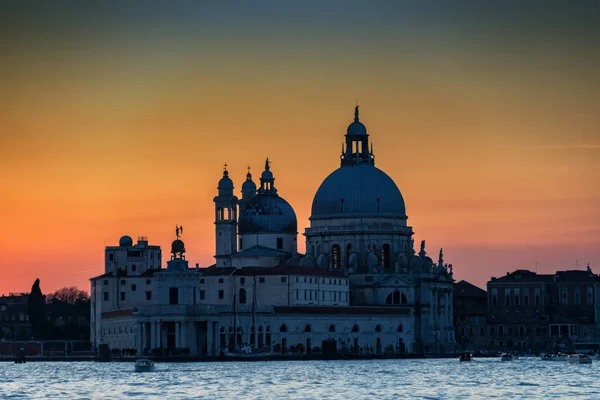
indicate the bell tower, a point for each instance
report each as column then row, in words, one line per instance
column 225, row 221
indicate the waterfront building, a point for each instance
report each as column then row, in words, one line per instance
column 360, row 284
column 470, row 311
column 542, row 312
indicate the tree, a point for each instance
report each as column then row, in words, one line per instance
column 35, row 309
column 69, row 295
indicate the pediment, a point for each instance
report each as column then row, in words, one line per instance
column 396, row 281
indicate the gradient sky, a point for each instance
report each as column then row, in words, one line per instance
column 116, row 118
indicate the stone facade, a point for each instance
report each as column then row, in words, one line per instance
column 360, row 283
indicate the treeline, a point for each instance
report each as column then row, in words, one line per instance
column 62, row 315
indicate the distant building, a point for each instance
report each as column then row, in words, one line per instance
column 470, row 311
column 361, row 283
column 542, row 312
column 14, row 318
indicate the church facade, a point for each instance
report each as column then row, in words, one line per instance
column 360, row 285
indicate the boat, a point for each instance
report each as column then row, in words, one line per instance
column 464, row 357
column 245, row 351
column 579, row 359
column 508, row 357
column 555, row 357
column 144, row 365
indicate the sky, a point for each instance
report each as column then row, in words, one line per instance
column 116, row 119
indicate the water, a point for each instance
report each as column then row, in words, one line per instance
column 381, row 379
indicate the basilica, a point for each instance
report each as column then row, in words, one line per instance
column 361, row 285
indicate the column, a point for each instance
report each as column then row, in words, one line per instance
column 139, row 337
column 178, row 334
column 152, row 335
column 184, row 333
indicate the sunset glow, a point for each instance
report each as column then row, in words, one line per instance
column 487, row 120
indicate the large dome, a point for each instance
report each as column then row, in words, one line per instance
column 358, row 191
column 267, row 214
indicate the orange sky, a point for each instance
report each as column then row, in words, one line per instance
column 121, row 126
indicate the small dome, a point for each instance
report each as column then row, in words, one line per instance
column 267, row 214
column 266, row 175
column 356, row 128
column 126, row 241
column 249, row 185
column 225, row 185
column 177, row 246
column 358, row 191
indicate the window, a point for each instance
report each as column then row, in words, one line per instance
column 331, row 328
column 221, row 294
column 133, row 288
column 335, row 255
column 305, row 295
column 242, row 296
column 279, row 243
column 577, row 297
column 148, row 295
column 122, row 296
column 242, row 281
column 526, row 300
column 261, row 279
column 123, row 282
column 202, row 295
column 220, row 280
column 110, row 257
column 283, row 279
column 537, row 299
column 202, row 281
column 173, row 295
column 148, row 281
column 133, row 267
column 106, row 282
column 355, row 328
column 241, row 244
column 105, row 296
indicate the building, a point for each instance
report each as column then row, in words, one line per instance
column 14, row 318
column 470, row 311
column 543, row 312
column 361, row 282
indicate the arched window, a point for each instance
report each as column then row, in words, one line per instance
column 226, row 213
column 268, row 336
column 403, row 299
column 283, row 328
column 355, row 328
column 378, row 328
column 332, row 328
column 396, row 297
column 385, row 256
column 307, row 328
column 400, row 328
column 389, row 298
column 242, row 296
column 348, row 254
column 335, row 256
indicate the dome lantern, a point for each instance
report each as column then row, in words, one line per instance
column 357, row 144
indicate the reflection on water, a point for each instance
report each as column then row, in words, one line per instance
column 382, row 379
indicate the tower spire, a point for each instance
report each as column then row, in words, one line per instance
column 356, row 113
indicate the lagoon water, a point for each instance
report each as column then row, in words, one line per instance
column 377, row 379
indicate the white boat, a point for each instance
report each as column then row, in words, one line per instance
column 579, row 359
column 555, row 357
column 508, row 357
column 246, row 352
column 144, row 365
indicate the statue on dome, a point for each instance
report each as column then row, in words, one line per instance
column 422, row 252
column 356, row 113
column 441, row 258
column 178, row 230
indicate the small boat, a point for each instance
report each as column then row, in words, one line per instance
column 464, row 357
column 579, row 359
column 246, row 352
column 508, row 357
column 555, row 357
column 144, row 365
